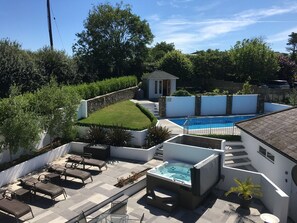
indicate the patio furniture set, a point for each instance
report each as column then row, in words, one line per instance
column 10, row 201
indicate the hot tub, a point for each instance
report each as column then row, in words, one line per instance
column 177, row 172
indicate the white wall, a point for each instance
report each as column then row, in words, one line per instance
column 12, row 174
column 273, row 197
column 278, row 171
column 82, row 110
column 244, row 104
column 272, row 107
column 129, row 153
column 186, row 153
column 180, row 106
column 213, row 105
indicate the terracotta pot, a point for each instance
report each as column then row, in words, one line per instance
column 244, row 203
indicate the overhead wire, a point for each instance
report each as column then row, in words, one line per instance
column 57, row 28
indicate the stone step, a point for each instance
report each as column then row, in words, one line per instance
column 238, row 162
column 236, row 155
column 238, row 148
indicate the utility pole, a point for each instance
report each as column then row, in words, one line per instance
column 50, row 24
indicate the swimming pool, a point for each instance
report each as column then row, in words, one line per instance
column 210, row 122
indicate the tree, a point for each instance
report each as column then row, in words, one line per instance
column 212, row 64
column 56, row 64
column 253, row 58
column 113, row 40
column 18, row 125
column 57, row 107
column 288, row 69
column 292, row 43
column 16, row 68
column 177, row 64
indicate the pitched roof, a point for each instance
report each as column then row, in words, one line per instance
column 159, row 74
column 277, row 130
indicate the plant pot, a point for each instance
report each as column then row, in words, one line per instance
column 244, row 203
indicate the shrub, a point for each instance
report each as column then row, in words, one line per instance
column 118, row 136
column 148, row 114
column 157, row 135
column 181, row 92
column 97, row 134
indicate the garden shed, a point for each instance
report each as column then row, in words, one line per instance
column 159, row 83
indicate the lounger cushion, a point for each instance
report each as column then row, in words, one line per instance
column 14, row 207
column 83, row 175
column 87, row 161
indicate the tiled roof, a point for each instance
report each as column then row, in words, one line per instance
column 278, row 130
column 158, row 74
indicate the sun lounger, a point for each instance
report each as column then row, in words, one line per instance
column 46, row 188
column 86, row 161
column 14, row 207
column 66, row 172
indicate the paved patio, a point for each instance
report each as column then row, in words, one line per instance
column 216, row 208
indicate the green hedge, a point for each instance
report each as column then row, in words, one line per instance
column 87, row 91
column 148, row 114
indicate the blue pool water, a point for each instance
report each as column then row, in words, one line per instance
column 210, row 122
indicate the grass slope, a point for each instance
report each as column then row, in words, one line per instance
column 125, row 114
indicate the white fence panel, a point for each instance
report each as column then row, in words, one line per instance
column 273, row 107
column 244, row 104
column 213, row 105
column 180, row 106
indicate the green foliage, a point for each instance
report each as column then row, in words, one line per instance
column 246, row 89
column 97, row 135
column 253, row 58
column 118, row 136
column 55, row 64
column 156, row 53
column 293, row 97
column 157, row 135
column 16, row 68
column 114, row 39
column 216, row 91
column 292, row 43
column 246, row 188
column 18, row 126
column 57, row 107
column 176, row 63
column 181, row 92
column 212, row 64
column 148, row 114
column 94, row 89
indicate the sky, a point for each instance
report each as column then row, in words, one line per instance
column 190, row 24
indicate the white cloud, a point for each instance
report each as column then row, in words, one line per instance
column 204, row 8
column 281, row 36
column 184, row 32
column 154, row 18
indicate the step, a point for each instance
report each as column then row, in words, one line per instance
column 236, row 155
column 158, row 157
column 238, row 148
column 238, row 162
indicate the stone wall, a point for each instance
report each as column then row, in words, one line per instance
column 104, row 100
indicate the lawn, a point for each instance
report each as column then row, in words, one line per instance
column 125, row 114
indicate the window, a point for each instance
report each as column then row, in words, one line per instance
column 270, row 156
column 160, row 87
column 266, row 154
column 262, row 151
column 156, row 87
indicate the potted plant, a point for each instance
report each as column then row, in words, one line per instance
column 246, row 190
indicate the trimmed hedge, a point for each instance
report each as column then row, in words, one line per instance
column 148, row 114
column 87, row 91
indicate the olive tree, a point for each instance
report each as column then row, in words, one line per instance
column 19, row 127
column 58, row 110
